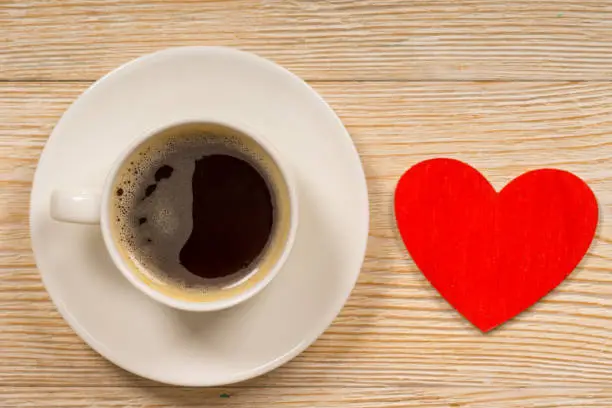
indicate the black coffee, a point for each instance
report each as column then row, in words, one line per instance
column 232, row 217
column 190, row 209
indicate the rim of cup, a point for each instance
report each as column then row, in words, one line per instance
column 206, row 305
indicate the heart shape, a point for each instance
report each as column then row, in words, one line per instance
column 492, row 255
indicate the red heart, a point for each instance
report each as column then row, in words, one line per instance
column 492, row 255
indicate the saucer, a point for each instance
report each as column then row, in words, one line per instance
column 206, row 348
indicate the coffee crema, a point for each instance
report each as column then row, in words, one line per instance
column 200, row 211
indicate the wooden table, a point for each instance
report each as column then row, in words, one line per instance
column 508, row 86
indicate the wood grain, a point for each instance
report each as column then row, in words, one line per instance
column 435, row 397
column 395, row 330
column 319, row 40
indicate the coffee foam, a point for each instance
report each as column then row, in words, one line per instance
column 149, row 233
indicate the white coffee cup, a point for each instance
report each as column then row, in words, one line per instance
column 95, row 206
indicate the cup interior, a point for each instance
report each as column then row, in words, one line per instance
column 158, row 272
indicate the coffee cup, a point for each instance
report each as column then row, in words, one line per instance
column 198, row 215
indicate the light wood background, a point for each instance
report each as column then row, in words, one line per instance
column 508, row 86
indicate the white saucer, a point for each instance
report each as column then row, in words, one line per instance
column 203, row 349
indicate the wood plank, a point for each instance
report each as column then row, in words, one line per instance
column 395, row 330
column 319, row 40
column 432, row 397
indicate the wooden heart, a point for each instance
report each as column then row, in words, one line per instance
column 492, row 255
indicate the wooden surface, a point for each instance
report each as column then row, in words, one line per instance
column 508, row 86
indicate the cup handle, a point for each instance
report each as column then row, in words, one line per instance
column 76, row 206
